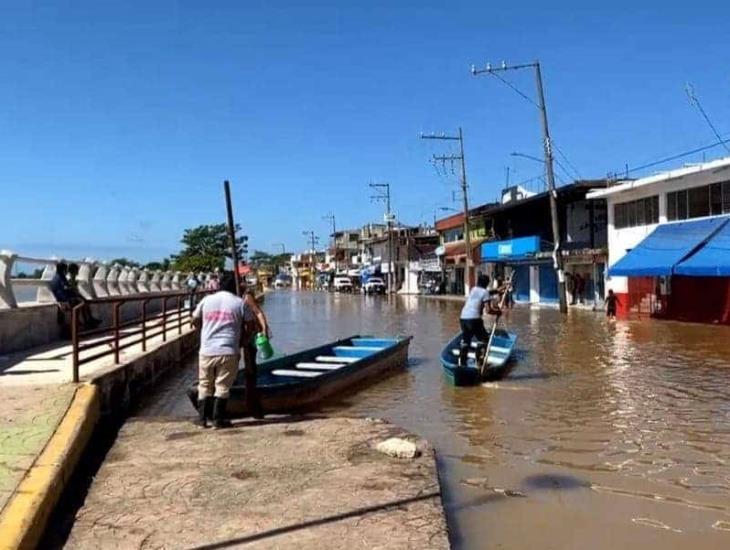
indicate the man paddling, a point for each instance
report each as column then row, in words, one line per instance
column 472, row 324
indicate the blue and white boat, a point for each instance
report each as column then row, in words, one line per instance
column 500, row 353
column 303, row 380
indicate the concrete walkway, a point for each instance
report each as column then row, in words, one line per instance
column 53, row 364
column 35, row 394
column 299, row 483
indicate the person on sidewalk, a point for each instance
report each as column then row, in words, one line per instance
column 220, row 317
column 68, row 297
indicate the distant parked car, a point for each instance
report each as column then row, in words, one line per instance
column 374, row 285
column 343, row 284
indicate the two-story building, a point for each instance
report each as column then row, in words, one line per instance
column 513, row 238
column 669, row 243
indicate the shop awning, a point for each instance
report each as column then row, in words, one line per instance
column 669, row 244
column 713, row 259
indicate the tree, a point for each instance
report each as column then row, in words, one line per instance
column 125, row 262
column 164, row 265
column 206, row 248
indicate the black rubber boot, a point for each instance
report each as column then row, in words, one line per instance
column 463, row 354
column 219, row 414
column 205, row 412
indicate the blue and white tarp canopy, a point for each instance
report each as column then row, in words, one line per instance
column 668, row 245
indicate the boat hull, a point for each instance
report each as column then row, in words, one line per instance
column 308, row 394
column 469, row 375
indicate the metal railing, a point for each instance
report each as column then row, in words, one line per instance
column 125, row 334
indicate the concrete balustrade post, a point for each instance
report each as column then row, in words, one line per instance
column 122, row 281
column 112, row 281
column 83, row 279
column 132, row 277
column 166, row 282
column 143, row 283
column 156, row 281
column 7, row 297
column 44, row 294
column 99, row 281
column 175, row 283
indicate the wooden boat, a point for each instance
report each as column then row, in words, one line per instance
column 497, row 363
column 303, row 380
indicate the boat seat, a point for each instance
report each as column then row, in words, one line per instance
column 298, row 373
column 493, row 349
column 359, row 348
column 333, row 359
column 320, row 366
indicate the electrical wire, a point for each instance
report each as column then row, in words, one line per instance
column 514, row 88
column 689, row 89
column 567, row 160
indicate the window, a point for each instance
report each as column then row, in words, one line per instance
column 636, row 213
column 696, row 202
column 699, row 201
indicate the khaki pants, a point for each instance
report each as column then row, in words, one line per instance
column 217, row 371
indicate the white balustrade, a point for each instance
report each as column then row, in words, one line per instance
column 94, row 280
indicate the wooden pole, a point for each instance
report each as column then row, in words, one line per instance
column 232, row 236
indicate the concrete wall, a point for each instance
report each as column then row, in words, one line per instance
column 122, row 386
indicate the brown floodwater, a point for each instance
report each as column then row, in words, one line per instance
column 603, row 435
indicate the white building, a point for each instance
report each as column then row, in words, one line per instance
column 637, row 207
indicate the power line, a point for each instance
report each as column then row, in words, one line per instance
column 628, row 170
column 694, row 99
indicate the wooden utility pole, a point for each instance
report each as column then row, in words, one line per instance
column 331, row 218
column 468, row 271
column 232, row 236
column 548, row 150
column 383, row 194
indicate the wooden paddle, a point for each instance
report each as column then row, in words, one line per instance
column 483, row 366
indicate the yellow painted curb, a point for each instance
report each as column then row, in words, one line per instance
column 24, row 518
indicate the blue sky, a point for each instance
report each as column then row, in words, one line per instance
column 120, row 120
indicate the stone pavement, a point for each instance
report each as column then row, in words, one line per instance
column 28, row 417
column 304, row 483
column 35, row 393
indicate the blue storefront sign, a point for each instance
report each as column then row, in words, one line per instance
column 512, row 249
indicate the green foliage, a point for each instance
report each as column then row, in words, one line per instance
column 125, row 262
column 164, row 265
column 206, row 248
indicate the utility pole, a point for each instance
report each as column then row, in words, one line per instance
column 468, row 272
column 313, row 239
column 382, row 191
column 283, row 248
column 331, row 218
column 548, row 150
column 232, row 236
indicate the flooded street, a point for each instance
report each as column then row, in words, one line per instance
column 602, row 436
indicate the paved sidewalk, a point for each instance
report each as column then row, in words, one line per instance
column 28, row 417
column 53, row 364
column 291, row 483
column 35, row 393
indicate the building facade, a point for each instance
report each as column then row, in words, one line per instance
column 660, row 229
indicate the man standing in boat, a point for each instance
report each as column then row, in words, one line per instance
column 472, row 324
column 220, row 316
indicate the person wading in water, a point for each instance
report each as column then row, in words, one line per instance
column 472, row 324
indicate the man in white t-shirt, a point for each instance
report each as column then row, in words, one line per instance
column 472, row 324
column 220, row 317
